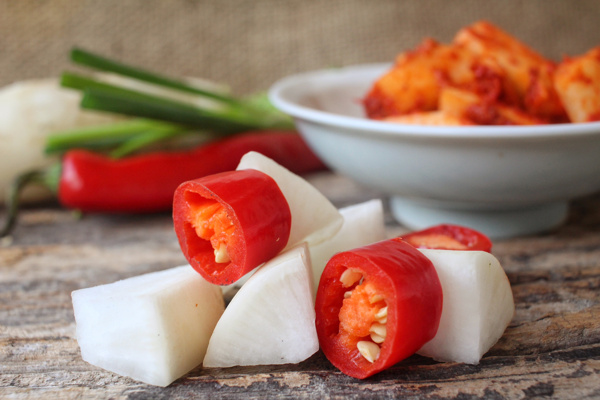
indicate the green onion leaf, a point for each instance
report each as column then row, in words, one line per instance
column 148, row 106
column 145, row 139
column 102, row 136
column 89, row 59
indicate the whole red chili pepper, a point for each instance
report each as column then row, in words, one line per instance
column 230, row 223
column 449, row 237
column 93, row 182
column 376, row 305
column 146, row 183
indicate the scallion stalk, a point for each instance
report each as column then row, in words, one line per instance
column 148, row 106
column 158, row 117
column 96, row 61
column 145, row 139
column 100, row 136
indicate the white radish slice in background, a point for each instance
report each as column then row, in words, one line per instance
column 363, row 224
column 478, row 305
column 314, row 218
column 153, row 328
column 30, row 111
column 271, row 320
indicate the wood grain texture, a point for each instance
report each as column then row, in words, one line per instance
column 550, row 350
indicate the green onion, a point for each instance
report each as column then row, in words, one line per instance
column 147, row 106
column 107, row 97
column 74, row 81
column 89, row 59
column 100, row 136
column 158, row 117
column 145, row 139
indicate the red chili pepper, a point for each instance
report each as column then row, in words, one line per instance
column 91, row 182
column 230, row 223
column 449, row 237
column 146, row 183
column 377, row 305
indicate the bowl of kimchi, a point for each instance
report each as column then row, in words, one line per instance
column 505, row 179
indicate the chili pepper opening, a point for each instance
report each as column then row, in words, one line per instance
column 356, row 316
column 376, row 305
column 449, row 237
column 434, row 240
column 363, row 316
column 214, row 224
column 229, row 223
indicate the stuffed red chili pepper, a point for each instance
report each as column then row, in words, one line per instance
column 449, row 237
column 229, row 223
column 376, row 305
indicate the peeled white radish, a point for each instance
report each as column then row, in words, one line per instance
column 478, row 305
column 314, row 218
column 153, row 328
column 271, row 320
column 29, row 112
column 363, row 224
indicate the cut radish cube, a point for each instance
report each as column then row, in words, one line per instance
column 478, row 305
column 363, row 224
column 271, row 320
column 314, row 218
column 153, row 328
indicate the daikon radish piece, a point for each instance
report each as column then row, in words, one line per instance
column 478, row 305
column 363, row 224
column 314, row 218
column 271, row 319
column 230, row 290
column 153, row 328
column 29, row 112
column 32, row 110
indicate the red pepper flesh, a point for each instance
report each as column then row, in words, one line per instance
column 386, row 296
column 229, row 223
column 449, row 237
column 146, row 183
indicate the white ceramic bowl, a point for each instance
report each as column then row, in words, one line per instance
column 504, row 181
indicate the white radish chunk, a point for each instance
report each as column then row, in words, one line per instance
column 271, row 320
column 363, row 224
column 478, row 305
column 314, row 218
column 30, row 111
column 153, row 328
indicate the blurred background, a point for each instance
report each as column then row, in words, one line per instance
column 249, row 44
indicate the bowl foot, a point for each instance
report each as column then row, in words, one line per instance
column 503, row 223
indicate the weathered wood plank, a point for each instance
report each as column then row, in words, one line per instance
column 550, row 350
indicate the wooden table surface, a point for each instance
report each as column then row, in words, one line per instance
column 550, row 350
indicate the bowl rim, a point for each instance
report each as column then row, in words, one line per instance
column 279, row 95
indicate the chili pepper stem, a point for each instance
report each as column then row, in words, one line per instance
column 47, row 178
